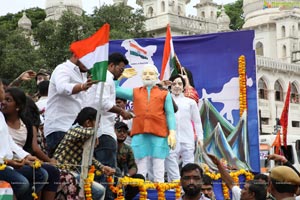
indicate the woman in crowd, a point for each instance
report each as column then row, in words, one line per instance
column 24, row 133
column 18, row 161
column 70, row 149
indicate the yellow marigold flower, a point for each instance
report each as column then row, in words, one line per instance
column 34, row 196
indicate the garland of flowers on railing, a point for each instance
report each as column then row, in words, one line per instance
column 88, row 183
column 36, row 165
column 235, row 176
column 143, row 187
column 242, row 84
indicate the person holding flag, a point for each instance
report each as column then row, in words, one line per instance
column 93, row 53
column 66, row 93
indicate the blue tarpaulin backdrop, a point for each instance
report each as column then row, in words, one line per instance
column 213, row 61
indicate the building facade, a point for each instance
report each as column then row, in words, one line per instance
column 277, row 44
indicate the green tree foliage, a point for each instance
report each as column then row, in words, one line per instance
column 124, row 21
column 54, row 37
column 10, row 21
column 17, row 55
column 235, row 13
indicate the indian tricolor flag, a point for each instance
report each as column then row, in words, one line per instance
column 137, row 51
column 168, row 63
column 6, row 192
column 93, row 52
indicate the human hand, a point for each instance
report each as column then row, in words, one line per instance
column 29, row 160
column 15, row 163
column 27, row 75
column 277, row 157
column 85, row 86
column 128, row 73
column 172, row 139
column 108, row 170
column 126, row 115
column 214, row 159
column 53, row 161
column 165, row 83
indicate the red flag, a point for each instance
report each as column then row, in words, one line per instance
column 277, row 143
column 285, row 115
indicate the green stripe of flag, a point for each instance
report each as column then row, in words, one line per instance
column 173, row 68
column 99, row 71
column 6, row 197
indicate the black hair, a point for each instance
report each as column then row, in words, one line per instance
column 262, row 177
column 43, row 88
column 124, row 100
column 258, row 188
column 32, row 112
column 172, row 78
column 5, row 81
column 207, row 180
column 190, row 167
column 190, row 76
column 19, row 97
column 116, row 58
column 87, row 113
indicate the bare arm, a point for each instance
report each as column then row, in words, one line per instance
column 224, row 174
column 37, row 150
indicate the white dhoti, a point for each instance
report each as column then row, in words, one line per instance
column 154, row 167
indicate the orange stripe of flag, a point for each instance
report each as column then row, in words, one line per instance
column 138, row 48
column 82, row 47
column 167, row 52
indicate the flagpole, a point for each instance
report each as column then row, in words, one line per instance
column 88, row 147
column 96, row 123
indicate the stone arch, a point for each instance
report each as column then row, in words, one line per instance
column 262, row 89
column 283, row 50
column 179, row 10
column 163, row 6
column 259, row 48
column 282, row 31
column 150, row 12
column 278, row 91
column 203, row 14
column 294, row 92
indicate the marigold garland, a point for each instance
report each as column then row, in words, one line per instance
column 88, row 183
column 35, row 165
column 235, row 176
column 242, row 84
column 2, row 166
column 143, row 187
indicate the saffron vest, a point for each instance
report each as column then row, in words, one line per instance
column 150, row 114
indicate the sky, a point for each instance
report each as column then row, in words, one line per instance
column 14, row 6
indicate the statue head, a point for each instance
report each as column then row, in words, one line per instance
column 150, row 75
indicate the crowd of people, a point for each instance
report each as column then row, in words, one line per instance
column 53, row 125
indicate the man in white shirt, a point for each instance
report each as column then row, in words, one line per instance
column 66, row 94
column 106, row 150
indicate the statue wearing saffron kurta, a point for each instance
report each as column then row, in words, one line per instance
column 153, row 128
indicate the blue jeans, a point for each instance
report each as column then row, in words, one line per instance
column 53, row 178
column 53, row 140
column 106, row 153
column 21, row 180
